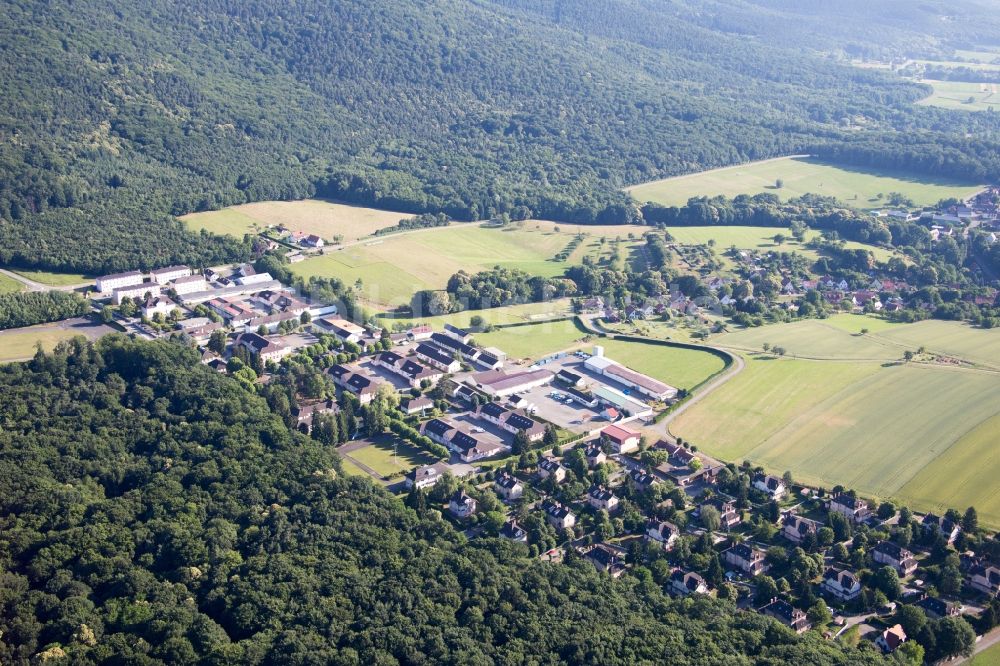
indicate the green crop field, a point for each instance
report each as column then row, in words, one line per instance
column 801, row 175
column 9, row 285
column 54, row 279
column 510, row 314
column 323, row 218
column 536, row 340
column 957, row 95
column 813, row 338
column 682, row 368
column 759, row 238
column 379, row 456
column 393, row 268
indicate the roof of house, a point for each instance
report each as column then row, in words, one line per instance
column 600, row 493
column 784, row 610
column 593, row 450
column 438, row 427
column 505, row 480
column 771, row 482
column 258, row 343
column 493, row 409
column 568, row 376
column 555, row 509
column 799, row 524
column 388, row 357
column 169, row 269
column 842, row 577
column 936, row 605
column 456, row 330
column 549, row 464
column 500, row 381
column 618, row 433
column 432, row 352
column 652, row 385
column 643, row 478
column 360, row 383
column 605, row 555
column 461, row 497
column 894, row 636
column 850, row 501
column 187, row 279
column 511, row 530
column 662, row 528
column 428, row 471
column 744, row 551
column 423, row 402
column 893, row 550
column 687, row 579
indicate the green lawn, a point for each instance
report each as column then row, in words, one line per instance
column 988, row 657
column 758, row 238
column 379, row 456
column 323, row 218
column 812, row 338
column 536, row 340
column 980, row 346
column 9, row 285
column 883, row 429
column 511, row 314
column 855, row 187
column 351, row 469
column 956, row 95
column 682, row 368
column 20, row 344
column 54, row 279
column 393, row 268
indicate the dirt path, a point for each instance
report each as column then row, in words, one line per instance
column 38, row 286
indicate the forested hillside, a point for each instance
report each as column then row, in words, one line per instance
column 156, row 512
column 116, row 116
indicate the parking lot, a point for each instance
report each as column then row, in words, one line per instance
column 483, row 430
column 569, row 415
column 370, row 370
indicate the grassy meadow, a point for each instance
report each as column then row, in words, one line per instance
column 760, row 238
column 19, row 344
column 511, row 314
column 9, row 285
column 847, row 411
column 682, row 368
column 313, row 216
column 54, row 279
column 957, row 95
column 801, row 175
column 537, row 340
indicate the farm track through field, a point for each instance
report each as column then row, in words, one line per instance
column 38, row 286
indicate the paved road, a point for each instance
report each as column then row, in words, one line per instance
column 38, row 286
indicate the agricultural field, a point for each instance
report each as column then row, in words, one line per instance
column 536, row 340
column 759, row 238
column 379, row 456
column 923, row 433
column 801, row 175
column 313, row 216
column 9, row 285
column 510, row 314
column 963, row 96
column 54, row 279
column 393, row 268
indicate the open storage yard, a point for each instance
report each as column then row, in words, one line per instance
column 922, row 432
column 801, row 175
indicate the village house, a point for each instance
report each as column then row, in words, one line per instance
column 414, row 373
column 511, row 530
column 312, row 240
column 891, row 638
column 306, row 413
column 511, row 421
column 842, row 584
column 437, row 358
column 420, row 333
column 787, row 614
column 687, row 582
column 558, row 515
column 726, row 506
column 642, row 480
column 747, row 559
column 470, row 448
column 425, row 476
column 948, row 529
column 461, row 505
column 985, row 579
column 602, row 498
column 157, row 305
column 417, row 405
column 795, row 527
column 595, row 455
column 437, row 431
column 268, row 350
column 772, row 486
column 345, row 330
column 450, row 345
column 854, row 509
column 570, row 378
column 890, row 554
column 937, row 608
column 607, row 560
column 661, row 533
column 622, row 439
column 363, row 387
column 456, row 333
column 507, row 486
column 549, row 466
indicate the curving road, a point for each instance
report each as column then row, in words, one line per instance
column 38, row 286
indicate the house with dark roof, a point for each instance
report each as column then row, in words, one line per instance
column 550, row 467
column 641, row 479
column 558, row 515
column 437, row 358
column 795, row 527
column 726, row 506
column 687, row 582
column 306, row 413
column 450, row 345
column 893, row 555
column 437, row 430
column 936, row 608
column 414, row 373
column 842, row 584
column 607, row 559
column 461, row 505
column 601, row 498
column 363, row 387
column 854, row 509
column 569, row 378
column 268, row 350
column 457, row 333
column 511, row 530
column 508, row 486
column 787, row 614
column 746, row 558
column 426, row 476
column 661, row 533
column 595, row 455
column 772, row 486
column 948, row 529
column 985, row 578
column 512, row 421
column 470, row 448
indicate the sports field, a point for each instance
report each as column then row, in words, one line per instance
column 536, row 340
column 20, row 344
column 393, row 268
column 681, row 368
column 379, row 456
column 312, row 216
column 923, row 433
column 9, row 285
column 963, row 96
column 759, row 238
column 801, row 175
column 988, row 657
column 511, row 314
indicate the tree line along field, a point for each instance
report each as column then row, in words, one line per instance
column 326, row 219
column 508, row 314
column 924, row 433
column 802, row 175
column 956, row 95
column 760, row 238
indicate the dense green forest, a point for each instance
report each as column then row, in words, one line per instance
column 36, row 307
column 156, row 512
column 117, row 116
